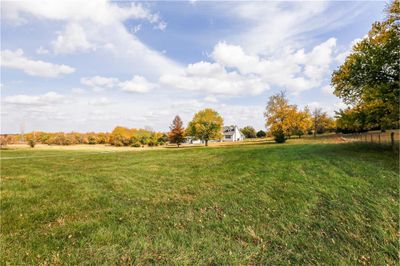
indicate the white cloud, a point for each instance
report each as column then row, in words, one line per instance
column 293, row 70
column 42, row 50
column 213, row 78
column 102, row 101
column 71, row 40
column 99, row 25
column 210, row 99
column 137, row 84
column 269, row 25
column 99, row 82
column 17, row 60
column 45, row 99
column 99, row 11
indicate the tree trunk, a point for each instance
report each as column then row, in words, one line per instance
column 178, row 145
column 206, row 142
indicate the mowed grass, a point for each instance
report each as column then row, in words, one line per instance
column 248, row 204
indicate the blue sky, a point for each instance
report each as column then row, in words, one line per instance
column 93, row 65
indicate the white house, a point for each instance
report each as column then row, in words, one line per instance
column 192, row 140
column 232, row 133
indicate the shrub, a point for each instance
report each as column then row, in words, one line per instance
column 136, row 144
column 279, row 137
column 152, row 143
column 261, row 134
column 32, row 143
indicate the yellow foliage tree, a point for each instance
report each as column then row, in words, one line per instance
column 205, row 125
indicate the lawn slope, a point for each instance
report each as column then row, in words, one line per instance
column 255, row 204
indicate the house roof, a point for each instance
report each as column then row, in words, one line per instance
column 229, row 130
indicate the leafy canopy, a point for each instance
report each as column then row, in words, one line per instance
column 205, row 125
column 249, row 132
column 369, row 78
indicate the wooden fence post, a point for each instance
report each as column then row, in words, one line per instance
column 392, row 140
column 371, row 139
column 379, row 138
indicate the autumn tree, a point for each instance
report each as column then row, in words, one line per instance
column 368, row 80
column 249, row 132
column 4, row 141
column 277, row 116
column 321, row 122
column 301, row 122
column 206, row 125
column 177, row 133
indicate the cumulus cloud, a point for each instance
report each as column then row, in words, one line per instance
column 17, row 60
column 137, row 84
column 71, row 40
column 102, row 30
column 40, row 100
column 294, row 70
column 213, row 78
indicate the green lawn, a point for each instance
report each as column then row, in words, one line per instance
column 249, row 204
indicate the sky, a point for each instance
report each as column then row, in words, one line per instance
column 92, row 65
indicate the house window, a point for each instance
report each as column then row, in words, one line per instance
column 228, row 136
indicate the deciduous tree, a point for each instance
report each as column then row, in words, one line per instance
column 277, row 116
column 177, row 133
column 301, row 122
column 206, row 125
column 249, row 132
column 261, row 134
column 369, row 77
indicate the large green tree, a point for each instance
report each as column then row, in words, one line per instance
column 368, row 80
column 205, row 125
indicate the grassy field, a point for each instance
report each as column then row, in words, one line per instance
column 306, row 203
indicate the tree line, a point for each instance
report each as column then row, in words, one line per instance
column 205, row 125
column 284, row 120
